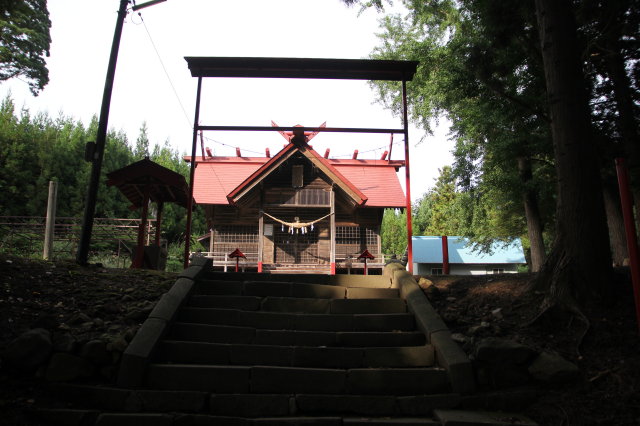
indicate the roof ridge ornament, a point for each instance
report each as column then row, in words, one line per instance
column 297, row 136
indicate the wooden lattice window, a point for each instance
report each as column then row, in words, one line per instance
column 227, row 238
column 353, row 240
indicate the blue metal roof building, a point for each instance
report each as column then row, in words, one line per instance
column 427, row 257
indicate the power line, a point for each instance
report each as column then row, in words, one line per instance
column 175, row 92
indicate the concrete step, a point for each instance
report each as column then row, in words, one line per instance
column 291, row 289
column 288, row 321
column 296, row 380
column 334, row 306
column 93, row 398
column 295, row 356
column 245, row 303
column 368, row 281
column 248, row 335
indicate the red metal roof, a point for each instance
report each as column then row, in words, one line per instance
column 376, row 180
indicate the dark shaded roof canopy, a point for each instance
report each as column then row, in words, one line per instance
column 164, row 184
column 347, row 69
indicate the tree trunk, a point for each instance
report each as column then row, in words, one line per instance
column 579, row 265
column 626, row 118
column 617, row 237
column 532, row 214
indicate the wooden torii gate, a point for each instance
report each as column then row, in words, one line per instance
column 309, row 68
column 145, row 181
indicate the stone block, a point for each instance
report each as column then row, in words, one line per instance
column 218, row 287
column 168, row 401
column 427, row 319
column 371, row 293
column 248, row 405
column 368, row 306
column 182, row 288
column 296, row 380
column 423, row 405
column 167, row 307
column 139, row 351
column 261, row 355
column 405, row 421
column 382, row 339
column 318, row 291
column 267, row 320
column 289, row 304
column 553, row 368
column 193, row 352
column 324, row 322
column 295, row 421
column 369, row 405
column 64, row 367
column 214, row 316
column 134, row 419
column 371, row 281
column 264, row 289
column 383, row 322
column 106, row 398
column 66, row 417
column 295, row 338
column 397, row 381
column 481, row 418
column 192, row 272
column 244, row 303
column 206, row 378
column 212, row 333
column 453, row 359
column 29, row 350
column 408, row 356
column 500, row 351
column 205, row 420
column 327, row 357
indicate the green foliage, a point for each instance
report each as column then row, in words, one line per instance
column 24, row 41
column 393, row 232
column 37, row 149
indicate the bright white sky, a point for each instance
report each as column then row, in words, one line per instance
column 82, row 33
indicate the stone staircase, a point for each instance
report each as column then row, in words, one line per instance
column 245, row 349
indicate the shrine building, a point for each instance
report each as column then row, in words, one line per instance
column 296, row 211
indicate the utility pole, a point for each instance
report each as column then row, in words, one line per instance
column 101, row 137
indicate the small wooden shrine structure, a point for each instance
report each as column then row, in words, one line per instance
column 297, row 210
column 146, row 181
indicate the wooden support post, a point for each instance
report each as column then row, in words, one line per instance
column 260, row 238
column 139, row 259
column 332, row 225
column 51, row 221
column 211, row 242
column 159, row 222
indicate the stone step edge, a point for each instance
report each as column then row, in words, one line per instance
column 71, row 417
column 304, row 305
column 300, row 356
column 449, row 355
column 297, row 320
column 240, row 329
column 340, row 280
column 137, row 354
column 252, row 405
column 291, row 289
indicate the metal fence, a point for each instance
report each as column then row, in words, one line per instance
column 26, row 233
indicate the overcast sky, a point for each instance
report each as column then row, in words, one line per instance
column 82, row 32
